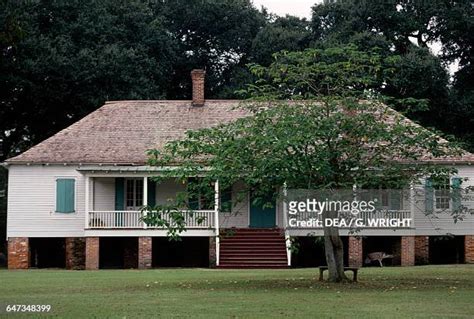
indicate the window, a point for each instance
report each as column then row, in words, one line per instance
column 134, row 193
column 442, row 194
column 65, row 195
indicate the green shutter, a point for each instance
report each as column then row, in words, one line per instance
column 119, row 193
column 226, row 200
column 456, row 193
column 151, row 193
column 429, row 196
column 65, row 195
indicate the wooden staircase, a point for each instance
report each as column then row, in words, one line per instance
column 253, row 248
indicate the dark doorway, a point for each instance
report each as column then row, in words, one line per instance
column 309, row 251
column 446, row 249
column 47, row 252
column 187, row 252
column 118, row 252
column 390, row 245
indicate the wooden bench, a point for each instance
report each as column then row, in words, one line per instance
column 353, row 269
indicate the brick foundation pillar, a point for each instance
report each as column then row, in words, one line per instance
column 212, row 252
column 469, row 249
column 75, row 253
column 355, row 252
column 144, row 252
column 422, row 250
column 18, row 253
column 408, row 251
column 92, row 253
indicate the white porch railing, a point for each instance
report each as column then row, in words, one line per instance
column 200, row 219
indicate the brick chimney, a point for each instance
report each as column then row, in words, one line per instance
column 197, row 77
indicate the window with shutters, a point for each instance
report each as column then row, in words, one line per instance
column 442, row 194
column 65, row 195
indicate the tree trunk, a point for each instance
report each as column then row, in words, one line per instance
column 334, row 251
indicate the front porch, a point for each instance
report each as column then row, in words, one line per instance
column 117, row 198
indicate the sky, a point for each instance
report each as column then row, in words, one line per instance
column 299, row 8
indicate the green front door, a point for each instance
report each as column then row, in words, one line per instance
column 262, row 217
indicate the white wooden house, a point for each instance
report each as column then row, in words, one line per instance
column 74, row 201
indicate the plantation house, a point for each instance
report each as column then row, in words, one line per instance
column 75, row 201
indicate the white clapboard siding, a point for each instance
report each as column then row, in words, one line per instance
column 443, row 223
column 239, row 217
column 32, row 202
column 166, row 190
column 104, row 194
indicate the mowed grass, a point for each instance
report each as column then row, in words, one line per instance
column 390, row 292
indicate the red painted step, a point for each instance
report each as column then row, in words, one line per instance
column 253, row 248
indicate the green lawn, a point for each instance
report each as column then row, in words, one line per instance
column 416, row 292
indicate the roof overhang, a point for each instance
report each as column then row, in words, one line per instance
column 118, row 170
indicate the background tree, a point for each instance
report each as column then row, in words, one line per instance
column 408, row 28
column 72, row 56
column 279, row 33
column 62, row 60
column 210, row 34
column 314, row 123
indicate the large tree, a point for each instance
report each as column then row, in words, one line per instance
column 213, row 34
column 69, row 57
column 314, row 122
column 61, row 60
column 408, row 29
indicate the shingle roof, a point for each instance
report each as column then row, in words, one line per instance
column 121, row 132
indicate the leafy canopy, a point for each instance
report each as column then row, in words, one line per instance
column 315, row 122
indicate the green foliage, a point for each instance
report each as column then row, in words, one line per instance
column 213, row 34
column 284, row 33
column 70, row 57
column 61, row 60
column 405, row 28
column 315, row 123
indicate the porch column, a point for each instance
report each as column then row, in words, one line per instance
column 92, row 253
column 87, row 202
column 145, row 197
column 285, row 224
column 216, row 219
column 355, row 251
column 412, row 204
column 144, row 252
column 408, row 251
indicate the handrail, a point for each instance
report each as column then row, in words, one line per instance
column 128, row 219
